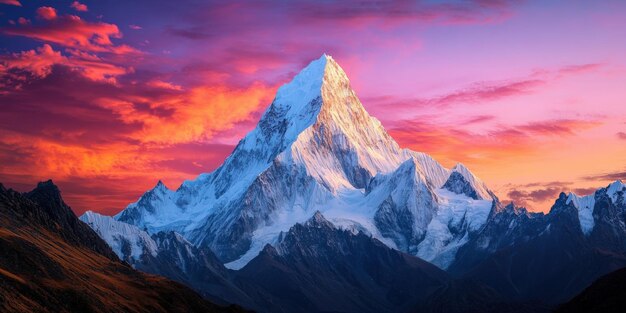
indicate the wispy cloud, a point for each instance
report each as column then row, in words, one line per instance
column 485, row 92
column 612, row 176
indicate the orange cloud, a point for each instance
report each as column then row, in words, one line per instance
column 73, row 32
column 93, row 137
column 101, row 176
column 452, row 144
column 196, row 114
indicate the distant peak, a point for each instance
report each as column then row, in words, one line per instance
column 616, row 185
column 160, row 186
column 48, row 196
column 463, row 170
column 318, row 220
column 615, row 189
column 459, row 167
column 46, row 184
column 318, row 217
column 458, row 184
column 88, row 214
column 47, row 188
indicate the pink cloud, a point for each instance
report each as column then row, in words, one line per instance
column 23, row 21
column 39, row 62
column 11, row 2
column 621, row 135
column 483, row 92
column 79, row 6
column 556, row 127
column 580, row 68
column 525, row 198
column 394, row 12
column 489, row 92
column 135, row 27
column 47, row 13
column 612, row 176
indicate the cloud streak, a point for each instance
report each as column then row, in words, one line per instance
column 613, row 176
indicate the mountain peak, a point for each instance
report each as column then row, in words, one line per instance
column 160, row 185
column 48, row 195
column 47, row 186
column 307, row 84
column 314, row 147
column 459, row 185
column 616, row 190
column 318, row 221
column 481, row 190
column 616, row 186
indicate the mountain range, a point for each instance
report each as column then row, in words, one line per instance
column 318, row 209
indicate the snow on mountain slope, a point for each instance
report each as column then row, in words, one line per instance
column 140, row 249
column 585, row 207
column 586, row 204
column 127, row 241
column 617, row 190
column 477, row 187
column 315, row 148
column 458, row 217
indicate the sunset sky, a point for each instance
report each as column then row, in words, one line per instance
column 108, row 97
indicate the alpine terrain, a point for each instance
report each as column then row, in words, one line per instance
column 319, row 209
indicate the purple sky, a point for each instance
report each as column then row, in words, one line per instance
column 107, row 97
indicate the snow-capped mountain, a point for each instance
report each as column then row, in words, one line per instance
column 170, row 255
column 127, row 241
column 317, row 267
column 316, row 148
column 548, row 257
column 318, row 179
